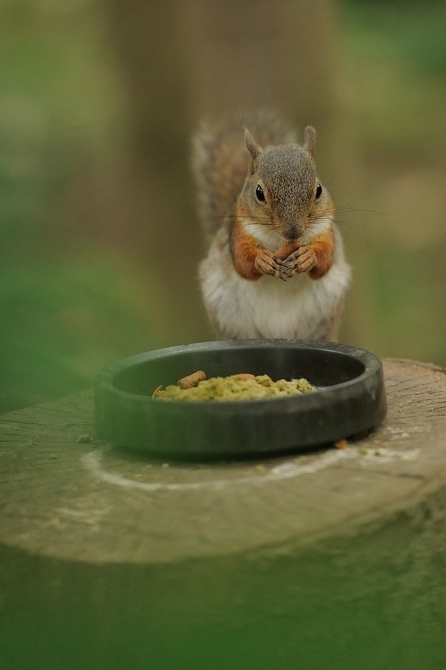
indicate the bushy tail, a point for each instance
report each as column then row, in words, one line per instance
column 220, row 161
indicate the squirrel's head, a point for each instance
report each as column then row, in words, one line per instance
column 282, row 187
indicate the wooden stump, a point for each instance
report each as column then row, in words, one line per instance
column 330, row 559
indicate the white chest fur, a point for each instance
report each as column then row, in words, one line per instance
column 298, row 308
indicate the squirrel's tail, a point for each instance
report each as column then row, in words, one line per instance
column 220, row 161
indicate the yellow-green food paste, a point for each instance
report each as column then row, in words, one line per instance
column 234, row 388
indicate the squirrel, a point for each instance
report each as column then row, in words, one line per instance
column 275, row 266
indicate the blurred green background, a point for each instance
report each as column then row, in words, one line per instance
column 98, row 99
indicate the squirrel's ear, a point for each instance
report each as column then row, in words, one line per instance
column 251, row 145
column 309, row 139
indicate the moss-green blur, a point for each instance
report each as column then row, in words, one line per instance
column 93, row 266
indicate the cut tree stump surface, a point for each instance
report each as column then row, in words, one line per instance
column 79, row 500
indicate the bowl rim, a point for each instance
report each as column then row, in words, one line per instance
column 106, row 376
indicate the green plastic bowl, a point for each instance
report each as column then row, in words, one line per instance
column 350, row 399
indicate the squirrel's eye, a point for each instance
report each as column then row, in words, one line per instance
column 318, row 192
column 260, row 194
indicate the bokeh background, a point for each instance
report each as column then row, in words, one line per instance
column 98, row 99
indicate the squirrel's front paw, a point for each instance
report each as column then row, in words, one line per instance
column 267, row 264
column 301, row 260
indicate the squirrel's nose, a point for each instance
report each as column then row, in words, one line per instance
column 292, row 230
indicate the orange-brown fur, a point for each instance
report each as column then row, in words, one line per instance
column 323, row 247
column 244, row 250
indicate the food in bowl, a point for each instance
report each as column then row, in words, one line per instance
column 243, row 386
